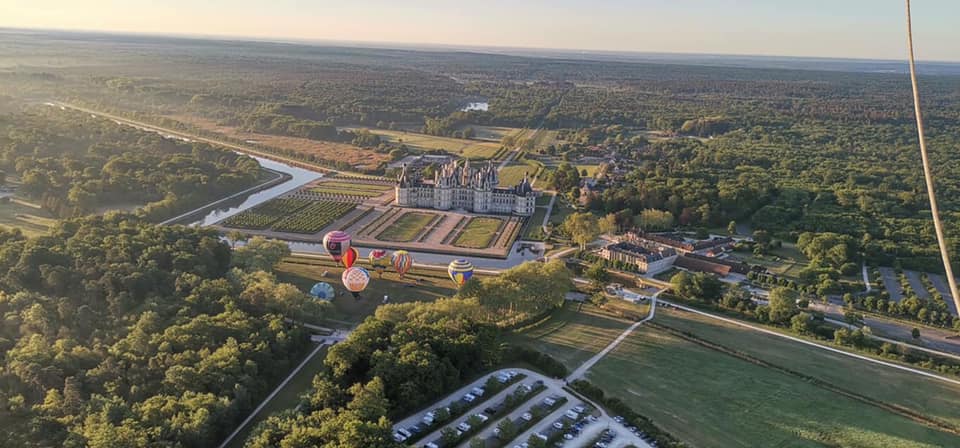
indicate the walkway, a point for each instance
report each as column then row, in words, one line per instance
column 580, row 371
column 866, row 279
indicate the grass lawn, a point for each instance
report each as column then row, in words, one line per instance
column 407, row 227
column 572, row 336
column 418, row 285
column 560, row 212
column 591, row 169
column 478, row 233
column 534, row 227
column 494, row 132
column 354, row 189
column 30, row 220
column 708, row 398
column 513, row 173
column 471, row 149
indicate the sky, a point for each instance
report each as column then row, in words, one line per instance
column 819, row 28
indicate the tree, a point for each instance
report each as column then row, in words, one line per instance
column 369, row 400
column 915, row 332
column 508, row 429
column 449, row 436
column 651, row 220
column 732, row 228
column 609, row 224
column 597, row 272
column 801, row 322
column 260, row 254
column 582, row 228
column 783, row 304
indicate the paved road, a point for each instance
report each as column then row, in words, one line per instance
column 520, row 410
column 546, row 217
column 891, row 283
column 814, row 344
column 940, row 283
column 916, row 284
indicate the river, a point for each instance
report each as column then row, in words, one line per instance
column 298, row 178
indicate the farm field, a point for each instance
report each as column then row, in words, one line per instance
column 407, row 227
column 541, row 139
column 478, row 233
column 339, row 152
column 31, row 221
column 351, row 189
column 740, row 404
column 289, row 215
column 264, row 215
column 572, row 336
column 314, row 217
column 470, row 149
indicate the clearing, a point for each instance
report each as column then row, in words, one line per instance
column 16, row 214
column 470, row 149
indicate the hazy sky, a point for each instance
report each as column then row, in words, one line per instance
column 840, row 28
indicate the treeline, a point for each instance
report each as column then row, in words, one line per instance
column 120, row 333
column 73, row 164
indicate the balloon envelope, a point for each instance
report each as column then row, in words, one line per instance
column 336, row 244
column 460, row 271
column 355, row 279
column 350, row 257
column 323, row 290
column 378, row 258
column 402, row 261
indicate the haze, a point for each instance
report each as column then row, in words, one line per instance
column 850, row 28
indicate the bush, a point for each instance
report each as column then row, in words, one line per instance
column 618, row 407
column 546, row 363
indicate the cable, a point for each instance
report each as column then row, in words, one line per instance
column 928, row 176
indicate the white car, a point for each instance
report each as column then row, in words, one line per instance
column 406, row 434
column 527, row 416
column 478, row 391
column 558, row 425
column 469, row 398
column 579, row 409
column 571, row 415
column 399, row 437
column 482, row 417
column 463, row 426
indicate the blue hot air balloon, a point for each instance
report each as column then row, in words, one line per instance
column 323, row 291
column 460, row 271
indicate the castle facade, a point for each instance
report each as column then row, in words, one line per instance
column 458, row 186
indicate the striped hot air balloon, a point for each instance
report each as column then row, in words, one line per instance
column 460, row 271
column 323, row 291
column 350, row 256
column 355, row 279
column 402, row 262
column 378, row 260
column 336, row 244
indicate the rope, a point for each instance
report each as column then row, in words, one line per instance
column 928, row 176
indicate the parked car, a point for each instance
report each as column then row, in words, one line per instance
column 478, row 391
column 527, row 416
column 463, row 426
column 399, row 438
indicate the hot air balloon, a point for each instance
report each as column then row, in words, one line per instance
column 402, row 261
column 460, row 271
column 323, row 291
column 336, row 243
column 355, row 279
column 378, row 260
column 350, row 257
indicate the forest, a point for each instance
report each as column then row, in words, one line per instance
column 75, row 164
column 120, row 333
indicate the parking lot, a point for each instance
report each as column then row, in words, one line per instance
column 891, row 283
column 538, row 406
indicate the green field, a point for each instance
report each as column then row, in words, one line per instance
column 513, row 173
column 534, row 227
column 709, row 398
column 351, row 189
column 30, row 220
column 572, row 336
column 495, row 133
column 478, row 233
column 785, row 261
column 470, row 149
column 406, row 227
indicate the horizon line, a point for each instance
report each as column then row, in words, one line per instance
column 426, row 46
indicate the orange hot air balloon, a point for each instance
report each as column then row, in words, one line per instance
column 350, row 257
column 402, row 261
